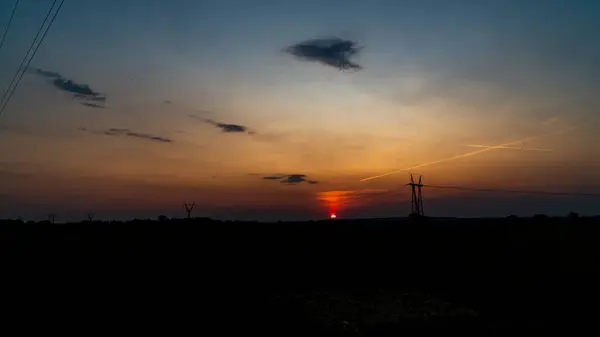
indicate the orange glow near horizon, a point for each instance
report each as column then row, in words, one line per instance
column 332, row 216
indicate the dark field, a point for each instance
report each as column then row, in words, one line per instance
column 484, row 277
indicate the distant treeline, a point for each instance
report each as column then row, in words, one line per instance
column 385, row 247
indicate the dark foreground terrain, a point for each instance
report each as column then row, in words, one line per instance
column 419, row 277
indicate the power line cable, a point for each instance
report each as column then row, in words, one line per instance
column 23, row 69
column 364, row 197
column 15, row 76
column 7, row 28
column 514, row 191
column 12, row 81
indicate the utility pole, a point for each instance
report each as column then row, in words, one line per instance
column 91, row 216
column 189, row 208
column 51, row 217
column 417, row 196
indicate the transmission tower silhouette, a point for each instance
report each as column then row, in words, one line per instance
column 417, row 196
column 189, row 208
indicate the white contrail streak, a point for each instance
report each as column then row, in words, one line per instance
column 473, row 153
column 512, row 148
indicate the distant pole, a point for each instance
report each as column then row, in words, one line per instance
column 91, row 216
column 51, row 217
column 421, row 197
column 417, row 196
column 189, row 208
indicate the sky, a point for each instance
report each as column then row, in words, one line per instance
column 130, row 108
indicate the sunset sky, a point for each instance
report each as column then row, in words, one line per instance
column 203, row 103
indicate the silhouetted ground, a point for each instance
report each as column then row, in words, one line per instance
column 345, row 278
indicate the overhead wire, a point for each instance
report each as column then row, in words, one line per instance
column 365, row 197
column 15, row 76
column 7, row 28
column 370, row 196
column 22, row 69
column 515, row 191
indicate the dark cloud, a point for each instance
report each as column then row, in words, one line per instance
column 129, row 133
column 334, row 52
column 75, row 88
column 49, row 74
column 167, row 101
column 291, row 179
column 272, row 178
column 229, row 128
column 92, row 105
column 225, row 127
column 79, row 91
column 90, row 98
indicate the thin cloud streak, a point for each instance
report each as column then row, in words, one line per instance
column 291, row 179
column 468, row 154
column 93, row 105
column 129, row 133
column 511, row 148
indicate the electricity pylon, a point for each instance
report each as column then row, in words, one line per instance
column 417, row 196
column 189, row 208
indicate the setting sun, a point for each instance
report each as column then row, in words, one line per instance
column 332, row 216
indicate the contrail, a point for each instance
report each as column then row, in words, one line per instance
column 468, row 154
column 512, row 148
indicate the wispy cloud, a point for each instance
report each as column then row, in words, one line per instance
column 77, row 90
column 48, row 74
column 228, row 127
column 291, row 179
column 518, row 148
column 93, row 105
column 550, row 120
column 129, row 133
column 90, row 98
column 225, row 127
column 333, row 52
